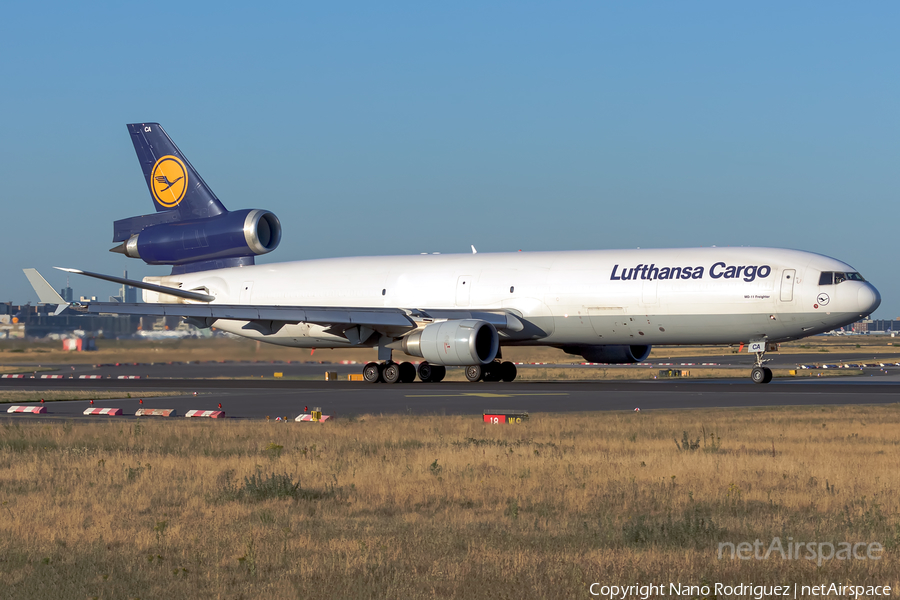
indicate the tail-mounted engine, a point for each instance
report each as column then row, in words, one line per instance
column 242, row 233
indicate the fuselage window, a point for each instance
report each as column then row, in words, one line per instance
column 830, row 277
column 512, row 289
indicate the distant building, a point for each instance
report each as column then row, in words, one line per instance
column 39, row 321
column 877, row 326
column 127, row 293
column 67, row 294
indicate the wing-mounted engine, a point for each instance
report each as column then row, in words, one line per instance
column 232, row 235
column 611, row 354
column 462, row 342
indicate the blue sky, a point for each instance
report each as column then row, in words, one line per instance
column 399, row 128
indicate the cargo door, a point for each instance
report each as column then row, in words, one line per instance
column 787, row 285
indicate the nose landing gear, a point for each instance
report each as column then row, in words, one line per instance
column 759, row 373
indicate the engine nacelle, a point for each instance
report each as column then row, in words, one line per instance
column 614, row 355
column 229, row 235
column 454, row 343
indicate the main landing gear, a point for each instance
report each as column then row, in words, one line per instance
column 405, row 372
column 760, row 374
column 391, row 372
column 494, row 371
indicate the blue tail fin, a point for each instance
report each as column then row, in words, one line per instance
column 190, row 229
column 174, row 184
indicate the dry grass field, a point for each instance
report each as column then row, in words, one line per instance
column 441, row 507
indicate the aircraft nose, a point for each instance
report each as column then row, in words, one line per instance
column 868, row 299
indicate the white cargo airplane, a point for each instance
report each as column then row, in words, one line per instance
column 608, row 306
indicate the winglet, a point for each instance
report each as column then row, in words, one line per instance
column 46, row 293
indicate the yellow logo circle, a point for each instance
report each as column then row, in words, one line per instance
column 168, row 180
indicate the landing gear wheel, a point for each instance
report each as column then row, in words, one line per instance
column 761, row 374
column 426, row 371
column 438, row 372
column 491, row 372
column 407, row 372
column 372, row 372
column 508, row 371
column 474, row 372
column 758, row 375
column 390, row 373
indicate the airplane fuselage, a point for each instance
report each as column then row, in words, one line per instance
column 573, row 298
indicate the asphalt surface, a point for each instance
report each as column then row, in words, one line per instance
column 316, row 370
column 249, row 399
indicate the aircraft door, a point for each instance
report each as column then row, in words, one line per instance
column 463, row 290
column 246, row 291
column 787, row 285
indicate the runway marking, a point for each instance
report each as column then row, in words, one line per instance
column 482, row 395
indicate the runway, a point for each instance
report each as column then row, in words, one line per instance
column 248, row 399
column 315, row 370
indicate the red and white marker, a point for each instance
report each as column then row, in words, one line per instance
column 155, row 412
column 112, row 412
column 37, row 410
column 212, row 414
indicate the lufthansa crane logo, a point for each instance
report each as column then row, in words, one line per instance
column 168, row 180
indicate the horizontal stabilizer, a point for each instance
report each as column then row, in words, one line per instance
column 177, row 292
column 125, row 228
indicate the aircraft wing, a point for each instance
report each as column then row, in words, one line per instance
column 357, row 324
column 320, row 315
column 377, row 318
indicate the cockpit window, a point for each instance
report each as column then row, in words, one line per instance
column 834, row 278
